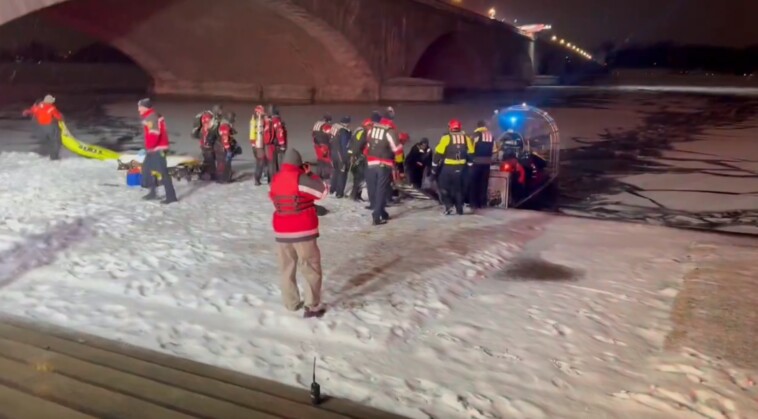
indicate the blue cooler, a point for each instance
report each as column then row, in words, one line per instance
column 134, row 180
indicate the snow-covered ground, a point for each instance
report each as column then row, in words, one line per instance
column 494, row 315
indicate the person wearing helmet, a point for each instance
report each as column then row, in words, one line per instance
column 383, row 147
column 357, row 154
column 452, row 153
column 276, row 141
column 257, row 142
column 322, row 135
column 398, row 172
column 338, row 147
column 205, row 130
column 479, row 175
column 418, row 161
column 225, row 148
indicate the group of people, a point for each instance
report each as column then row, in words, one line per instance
column 373, row 153
column 215, row 131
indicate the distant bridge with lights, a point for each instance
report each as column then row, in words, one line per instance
column 302, row 50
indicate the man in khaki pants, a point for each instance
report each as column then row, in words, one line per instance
column 294, row 192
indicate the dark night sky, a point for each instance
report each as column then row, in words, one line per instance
column 584, row 22
column 590, row 22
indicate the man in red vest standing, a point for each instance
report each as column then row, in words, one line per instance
column 294, row 192
column 156, row 146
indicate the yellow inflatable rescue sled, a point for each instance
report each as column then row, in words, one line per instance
column 83, row 149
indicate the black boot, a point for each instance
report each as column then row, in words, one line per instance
column 314, row 312
column 150, row 196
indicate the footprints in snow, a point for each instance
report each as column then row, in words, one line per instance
column 481, row 350
column 476, row 406
column 550, row 327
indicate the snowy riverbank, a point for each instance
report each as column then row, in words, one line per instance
column 500, row 314
column 655, row 158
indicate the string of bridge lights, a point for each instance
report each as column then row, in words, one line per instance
column 533, row 29
column 572, row 47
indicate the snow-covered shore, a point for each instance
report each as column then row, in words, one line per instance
column 494, row 315
column 656, row 158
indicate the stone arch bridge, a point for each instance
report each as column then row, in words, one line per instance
column 300, row 50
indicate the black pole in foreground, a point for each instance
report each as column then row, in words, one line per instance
column 315, row 388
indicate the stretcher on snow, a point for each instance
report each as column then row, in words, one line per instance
column 410, row 191
column 179, row 167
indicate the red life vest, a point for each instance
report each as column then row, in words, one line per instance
column 295, row 217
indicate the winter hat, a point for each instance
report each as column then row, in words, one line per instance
column 345, row 120
column 376, row 116
column 145, row 103
column 292, row 156
column 328, row 118
column 424, row 141
column 48, row 99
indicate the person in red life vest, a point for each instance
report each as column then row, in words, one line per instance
column 205, row 132
column 293, row 193
column 403, row 137
column 47, row 116
column 479, row 173
column 277, row 142
column 511, row 145
column 398, row 172
column 357, row 152
column 224, row 149
column 156, row 146
column 322, row 135
column 257, row 141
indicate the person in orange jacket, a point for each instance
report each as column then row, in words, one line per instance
column 47, row 116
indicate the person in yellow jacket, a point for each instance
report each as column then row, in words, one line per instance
column 453, row 153
column 257, row 126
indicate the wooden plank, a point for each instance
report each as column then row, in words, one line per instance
column 128, row 384
column 79, row 396
column 195, row 377
column 18, row 405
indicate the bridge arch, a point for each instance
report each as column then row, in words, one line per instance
column 450, row 59
column 273, row 48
